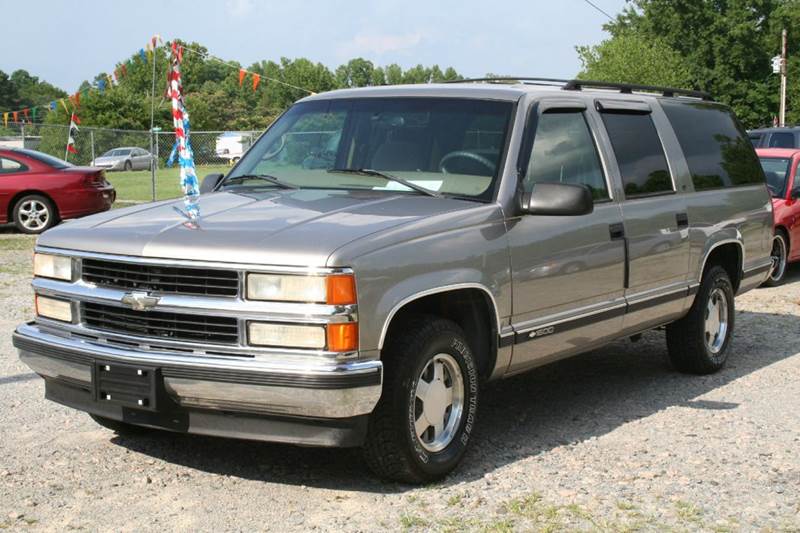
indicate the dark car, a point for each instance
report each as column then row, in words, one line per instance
column 38, row 190
column 775, row 137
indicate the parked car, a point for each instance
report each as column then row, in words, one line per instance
column 232, row 144
column 459, row 233
column 127, row 158
column 780, row 167
column 787, row 137
column 38, row 190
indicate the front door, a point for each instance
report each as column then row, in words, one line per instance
column 567, row 272
column 655, row 213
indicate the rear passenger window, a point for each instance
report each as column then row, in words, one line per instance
column 8, row 166
column 781, row 140
column 716, row 147
column 639, row 153
column 564, row 152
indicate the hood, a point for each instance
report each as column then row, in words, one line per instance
column 293, row 228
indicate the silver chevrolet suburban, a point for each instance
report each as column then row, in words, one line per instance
column 380, row 253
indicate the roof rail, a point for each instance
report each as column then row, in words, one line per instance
column 503, row 79
column 628, row 88
column 577, row 85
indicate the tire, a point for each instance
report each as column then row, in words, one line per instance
column 128, row 166
column 34, row 213
column 779, row 254
column 121, row 428
column 431, row 350
column 691, row 348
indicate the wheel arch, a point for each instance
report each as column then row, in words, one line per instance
column 729, row 254
column 12, row 203
column 471, row 305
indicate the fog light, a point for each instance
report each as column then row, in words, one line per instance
column 285, row 335
column 54, row 309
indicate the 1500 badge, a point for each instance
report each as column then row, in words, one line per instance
column 541, row 332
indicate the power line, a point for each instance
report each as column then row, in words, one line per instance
column 599, row 9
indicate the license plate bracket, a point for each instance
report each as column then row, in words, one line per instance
column 125, row 385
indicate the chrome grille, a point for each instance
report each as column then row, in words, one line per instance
column 161, row 325
column 158, row 278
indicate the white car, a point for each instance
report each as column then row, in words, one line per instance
column 126, row 158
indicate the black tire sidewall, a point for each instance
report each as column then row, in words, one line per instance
column 51, row 219
column 437, row 463
column 718, row 279
column 128, row 166
column 775, row 282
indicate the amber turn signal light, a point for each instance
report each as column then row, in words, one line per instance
column 343, row 337
column 341, row 290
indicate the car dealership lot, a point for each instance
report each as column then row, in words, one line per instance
column 610, row 440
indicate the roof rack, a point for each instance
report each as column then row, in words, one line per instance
column 577, row 85
column 628, row 88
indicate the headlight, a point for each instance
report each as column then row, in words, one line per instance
column 52, row 266
column 285, row 335
column 333, row 290
column 53, row 308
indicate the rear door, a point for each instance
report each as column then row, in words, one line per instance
column 654, row 212
column 567, row 271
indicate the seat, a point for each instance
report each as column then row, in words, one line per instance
column 397, row 155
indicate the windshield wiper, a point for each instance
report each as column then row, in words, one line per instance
column 390, row 177
column 265, row 177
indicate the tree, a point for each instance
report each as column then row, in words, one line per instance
column 725, row 44
column 9, row 96
column 630, row 58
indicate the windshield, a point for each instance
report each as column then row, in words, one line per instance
column 446, row 145
column 45, row 158
column 777, row 172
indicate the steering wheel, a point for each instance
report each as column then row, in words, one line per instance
column 463, row 154
column 275, row 151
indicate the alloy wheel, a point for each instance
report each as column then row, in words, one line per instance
column 438, row 402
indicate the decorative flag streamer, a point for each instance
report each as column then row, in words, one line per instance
column 53, row 105
column 16, row 116
column 101, row 86
column 242, row 74
column 25, row 112
column 5, row 119
column 180, row 119
column 34, row 111
column 142, row 55
column 73, row 127
column 64, row 103
column 256, row 79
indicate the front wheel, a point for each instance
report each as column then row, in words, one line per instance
column 779, row 255
column 699, row 342
column 128, row 166
column 424, row 420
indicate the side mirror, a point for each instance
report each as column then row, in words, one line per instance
column 210, row 183
column 557, row 199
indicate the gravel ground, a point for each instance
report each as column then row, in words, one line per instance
column 612, row 440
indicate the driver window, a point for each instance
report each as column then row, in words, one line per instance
column 564, row 152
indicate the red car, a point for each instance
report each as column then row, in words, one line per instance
column 780, row 166
column 38, row 190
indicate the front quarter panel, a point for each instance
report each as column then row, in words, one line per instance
column 466, row 249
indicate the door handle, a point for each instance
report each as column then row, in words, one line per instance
column 616, row 231
column 683, row 220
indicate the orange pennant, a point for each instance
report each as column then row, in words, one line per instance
column 16, row 116
column 242, row 74
column 256, row 79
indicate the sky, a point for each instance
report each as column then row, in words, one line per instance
column 66, row 42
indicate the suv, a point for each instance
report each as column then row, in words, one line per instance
column 786, row 137
column 379, row 253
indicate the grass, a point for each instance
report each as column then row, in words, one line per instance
column 136, row 186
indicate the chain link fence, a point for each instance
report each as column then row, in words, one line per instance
column 210, row 147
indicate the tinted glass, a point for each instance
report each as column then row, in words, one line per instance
column 776, row 169
column 564, row 152
column 45, row 158
column 449, row 145
column 716, row 148
column 639, row 153
column 781, row 140
column 10, row 165
column 755, row 139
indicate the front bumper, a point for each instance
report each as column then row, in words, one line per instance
column 270, row 400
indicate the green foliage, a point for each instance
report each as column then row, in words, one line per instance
column 630, row 58
column 724, row 46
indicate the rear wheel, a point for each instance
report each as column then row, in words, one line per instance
column 34, row 213
column 779, row 255
column 699, row 342
column 423, row 422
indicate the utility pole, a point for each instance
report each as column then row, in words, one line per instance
column 153, row 162
column 782, row 116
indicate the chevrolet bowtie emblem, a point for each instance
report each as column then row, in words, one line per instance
column 140, row 301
